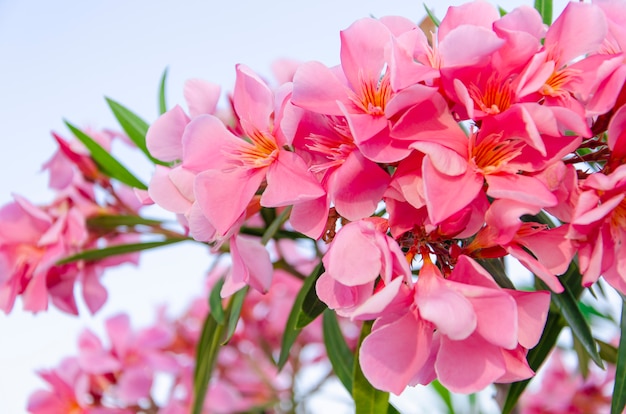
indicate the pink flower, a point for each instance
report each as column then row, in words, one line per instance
column 237, row 167
column 358, row 255
column 463, row 330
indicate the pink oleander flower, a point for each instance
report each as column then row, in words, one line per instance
column 354, row 184
column 463, row 330
column 598, row 228
column 68, row 394
column 361, row 253
column 563, row 390
column 239, row 166
column 130, row 363
column 360, row 89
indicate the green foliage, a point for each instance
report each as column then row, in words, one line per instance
column 291, row 329
column 340, row 356
column 619, row 389
column 106, row 163
column 544, row 7
column 135, row 127
column 367, row 399
column 101, row 253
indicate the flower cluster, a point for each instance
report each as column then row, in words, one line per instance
column 420, row 155
column 127, row 374
column 34, row 239
column 393, row 184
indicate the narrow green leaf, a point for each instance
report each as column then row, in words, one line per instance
column 108, row 221
column 502, row 11
column 391, row 409
column 432, row 16
column 367, row 399
column 340, row 356
column 135, row 127
column 554, row 324
column 535, row 358
column 235, row 311
column 215, row 302
column 97, row 254
column 583, row 358
column 105, row 161
column 444, row 394
column 496, row 269
column 608, row 352
column 619, row 389
column 206, row 355
column 589, row 311
column 544, row 7
column 275, row 225
column 568, row 306
column 291, row 330
column 312, row 306
column 162, row 100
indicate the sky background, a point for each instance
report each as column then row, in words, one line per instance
column 58, row 59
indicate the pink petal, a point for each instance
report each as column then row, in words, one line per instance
column 354, row 258
column 532, row 311
column 438, row 187
column 223, row 197
column 317, row 89
column 164, row 136
column 363, row 50
column 134, row 384
column 289, row 181
column 477, row 13
column 468, row 46
column 521, row 188
column 201, row 96
column 579, row 30
column 437, row 302
column 310, row 217
column 253, row 100
column 468, row 366
column 393, row 353
column 251, row 263
column 163, row 191
column 357, row 187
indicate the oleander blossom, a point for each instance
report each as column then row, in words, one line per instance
column 387, row 192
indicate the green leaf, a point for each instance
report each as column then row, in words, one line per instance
column 235, row 311
column 568, row 307
column 215, row 302
column 97, row 254
column 312, row 306
column 135, row 127
column 496, row 269
column 544, row 7
column 554, row 324
column 392, row 410
column 444, row 394
column 206, row 355
column 502, row 11
column 583, row 358
column 162, row 100
column 275, row 225
column 619, row 389
column 340, row 356
column 291, row 329
column 535, row 357
column 105, row 161
column 432, row 16
column 107, row 221
column 367, row 399
column 608, row 352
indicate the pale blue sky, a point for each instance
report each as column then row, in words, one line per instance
column 59, row 58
